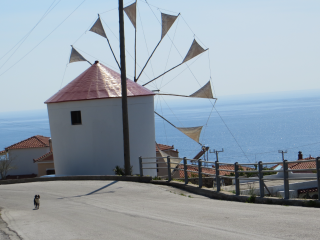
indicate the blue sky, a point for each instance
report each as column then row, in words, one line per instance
column 255, row 46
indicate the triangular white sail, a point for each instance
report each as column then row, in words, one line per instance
column 167, row 21
column 76, row 56
column 194, row 51
column 204, row 92
column 173, row 161
column 98, row 28
column 131, row 13
column 192, row 132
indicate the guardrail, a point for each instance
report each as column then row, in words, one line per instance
column 258, row 169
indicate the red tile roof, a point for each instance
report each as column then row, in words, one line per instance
column 209, row 170
column 300, row 165
column 2, row 152
column 48, row 157
column 163, row 147
column 97, row 82
column 37, row 141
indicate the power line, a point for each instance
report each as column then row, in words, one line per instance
column 43, row 39
column 22, row 40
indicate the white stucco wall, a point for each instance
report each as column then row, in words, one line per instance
column 96, row 146
column 23, row 160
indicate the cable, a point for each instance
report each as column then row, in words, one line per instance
column 126, row 49
column 28, row 34
column 146, row 43
column 43, row 39
column 172, row 111
column 169, row 53
column 232, row 135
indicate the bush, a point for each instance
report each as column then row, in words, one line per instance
column 120, row 171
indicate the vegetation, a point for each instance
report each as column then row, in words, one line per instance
column 6, row 164
column 120, row 171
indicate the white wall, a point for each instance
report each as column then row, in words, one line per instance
column 23, row 160
column 96, row 146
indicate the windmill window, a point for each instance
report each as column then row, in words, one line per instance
column 76, row 118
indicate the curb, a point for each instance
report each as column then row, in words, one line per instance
column 76, row 178
column 242, row 198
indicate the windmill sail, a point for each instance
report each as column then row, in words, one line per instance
column 98, row 28
column 75, row 56
column 192, row 132
column 167, row 22
column 204, row 92
column 194, row 51
column 131, row 13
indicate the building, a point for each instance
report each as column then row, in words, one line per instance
column 162, row 170
column 45, row 164
column 86, row 124
column 23, row 154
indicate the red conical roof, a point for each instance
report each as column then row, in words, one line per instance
column 97, row 82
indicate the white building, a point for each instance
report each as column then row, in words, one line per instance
column 86, row 124
column 23, row 153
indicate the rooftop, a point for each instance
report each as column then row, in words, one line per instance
column 48, row 157
column 97, row 82
column 37, row 141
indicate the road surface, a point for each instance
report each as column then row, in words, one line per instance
column 81, row 210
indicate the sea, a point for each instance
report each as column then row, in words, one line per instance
column 248, row 128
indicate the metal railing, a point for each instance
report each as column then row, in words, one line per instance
column 236, row 172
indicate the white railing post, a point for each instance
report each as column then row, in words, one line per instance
column 236, row 178
column 200, row 173
column 169, row 168
column 318, row 175
column 217, row 176
column 285, row 179
column 185, row 170
column 140, row 165
column 261, row 183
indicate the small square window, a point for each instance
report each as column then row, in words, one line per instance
column 76, row 118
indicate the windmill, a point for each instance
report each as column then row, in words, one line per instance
column 167, row 20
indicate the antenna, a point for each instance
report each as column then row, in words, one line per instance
column 217, row 153
column 282, row 152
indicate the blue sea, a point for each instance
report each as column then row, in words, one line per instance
column 250, row 128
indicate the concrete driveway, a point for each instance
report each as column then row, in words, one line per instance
column 127, row 210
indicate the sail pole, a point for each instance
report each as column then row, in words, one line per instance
column 135, row 50
column 125, row 121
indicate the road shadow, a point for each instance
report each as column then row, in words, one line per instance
column 94, row 192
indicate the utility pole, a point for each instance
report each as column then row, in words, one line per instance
column 125, row 121
column 282, row 152
column 217, row 153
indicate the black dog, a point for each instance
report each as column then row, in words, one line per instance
column 36, row 201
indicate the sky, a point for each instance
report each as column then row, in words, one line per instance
column 255, row 47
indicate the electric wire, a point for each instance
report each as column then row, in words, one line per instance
column 42, row 39
column 28, row 34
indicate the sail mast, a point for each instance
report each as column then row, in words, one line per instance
column 125, row 121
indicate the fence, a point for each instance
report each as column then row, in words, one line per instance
column 236, row 172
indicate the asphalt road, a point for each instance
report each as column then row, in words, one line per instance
column 79, row 210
